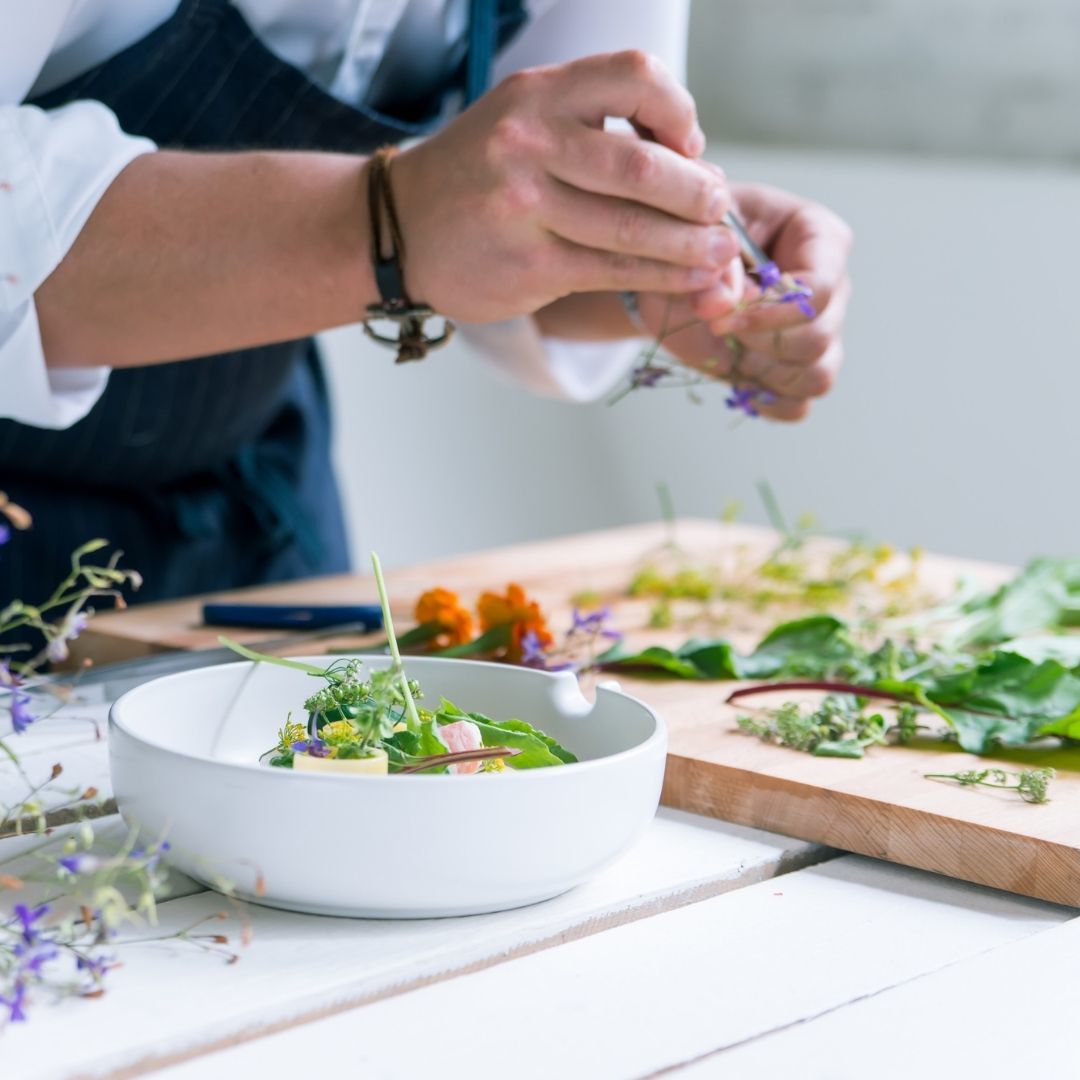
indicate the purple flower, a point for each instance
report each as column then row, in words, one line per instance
column 74, row 623
column 15, row 1002
column 95, row 966
column 27, row 919
column 532, row 652
column 768, row 275
column 798, row 297
column 313, row 747
column 744, row 400
column 647, row 376
column 79, row 864
column 593, row 622
column 5, row 533
column 32, row 957
column 21, row 716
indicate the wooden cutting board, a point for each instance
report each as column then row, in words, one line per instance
column 880, row 805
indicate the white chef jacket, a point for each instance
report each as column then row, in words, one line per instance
column 55, row 165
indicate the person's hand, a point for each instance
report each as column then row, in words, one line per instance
column 525, row 198
column 782, row 350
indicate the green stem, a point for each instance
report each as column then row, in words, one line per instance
column 266, row 658
column 391, row 640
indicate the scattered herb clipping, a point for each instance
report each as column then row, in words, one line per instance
column 1032, row 785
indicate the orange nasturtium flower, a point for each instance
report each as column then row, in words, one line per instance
column 455, row 621
column 517, row 611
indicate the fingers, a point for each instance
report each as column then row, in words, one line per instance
column 630, row 228
column 586, row 269
column 805, row 343
column 637, row 87
column 792, row 380
column 627, row 167
column 812, row 244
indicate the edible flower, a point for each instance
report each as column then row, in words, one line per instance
column 521, row 614
column 442, row 608
column 312, row 747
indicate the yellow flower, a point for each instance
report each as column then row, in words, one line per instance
column 442, row 607
column 337, row 731
column 521, row 614
column 291, row 733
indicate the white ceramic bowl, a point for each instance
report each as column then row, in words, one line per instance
column 389, row 846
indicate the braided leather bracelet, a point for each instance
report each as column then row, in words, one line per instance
column 411, row 342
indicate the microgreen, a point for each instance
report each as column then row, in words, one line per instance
column 1032, row 785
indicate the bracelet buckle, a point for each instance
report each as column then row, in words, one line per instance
column 411, row 341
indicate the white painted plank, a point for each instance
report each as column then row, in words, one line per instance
column 166, row 1001
column 21, row 857
column 1004, row 1013
column 652, row 993
column 73, row 738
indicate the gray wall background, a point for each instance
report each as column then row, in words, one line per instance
column 945, row 133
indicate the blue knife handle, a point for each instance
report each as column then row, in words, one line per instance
column 292, row 616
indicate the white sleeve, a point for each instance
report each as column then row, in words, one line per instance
column 567, row 30
column 54, row 167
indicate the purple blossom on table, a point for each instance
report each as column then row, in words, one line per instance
column 21, row 715
column 95, row 967
column 593, row 623
column 72, row 625
column 27, row 919
column 80, row 863
column 15, row 1001
column 534, row 655
column 33, row 957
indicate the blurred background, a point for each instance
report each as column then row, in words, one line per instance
column 947, row 132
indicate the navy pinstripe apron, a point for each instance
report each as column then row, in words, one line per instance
column 210, row 473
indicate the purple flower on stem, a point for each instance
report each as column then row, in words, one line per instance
column 534, row 656
column 744, row 399
column 647, row 376
column 95, row 966
column 74, row 623
column 768, row 275
column 15, row 1002
column 28, row 918
column 21, row 716
column 79, row 863
column 32, row 957
column 594, row 623
column 800, row 298
column 312, row 747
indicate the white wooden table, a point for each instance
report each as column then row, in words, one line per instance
column 709, row 950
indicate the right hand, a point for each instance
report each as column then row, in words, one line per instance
column 525, row 198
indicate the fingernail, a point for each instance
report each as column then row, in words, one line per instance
column 695, row 145
column 702, row 276
column 717, row 204
column 723, row 247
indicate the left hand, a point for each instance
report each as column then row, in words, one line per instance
column 794, row 357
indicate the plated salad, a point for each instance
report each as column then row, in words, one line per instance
column 368, row 722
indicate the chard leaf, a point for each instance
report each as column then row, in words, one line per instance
column 535, row 749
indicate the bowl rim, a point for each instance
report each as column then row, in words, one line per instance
column 659, row 735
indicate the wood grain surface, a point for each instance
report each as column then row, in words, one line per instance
column 881, row 805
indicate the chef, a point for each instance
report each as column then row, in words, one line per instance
column 190, row 190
